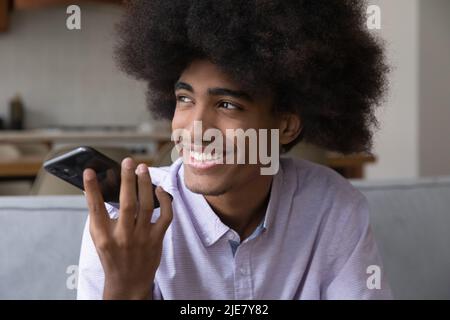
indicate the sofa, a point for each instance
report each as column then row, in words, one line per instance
column 40, row 240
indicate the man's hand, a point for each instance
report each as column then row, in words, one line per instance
column 130, row 247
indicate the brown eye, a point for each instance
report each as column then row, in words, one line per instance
column 229, row 106
column 184, row 99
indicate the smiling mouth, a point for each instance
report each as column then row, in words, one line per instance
column 198, row 158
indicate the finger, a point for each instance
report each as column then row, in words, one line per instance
column 145, row 192
column 166, row 211
column 98, row 215
column 128, row 197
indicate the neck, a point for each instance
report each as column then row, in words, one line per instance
column 243, row 208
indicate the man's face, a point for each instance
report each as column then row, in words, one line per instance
column 204, row 93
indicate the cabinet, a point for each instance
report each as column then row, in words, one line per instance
column 4, row 14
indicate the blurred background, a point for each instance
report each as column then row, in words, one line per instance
column 60, row 88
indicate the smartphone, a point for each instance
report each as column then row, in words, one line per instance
column 70, row 166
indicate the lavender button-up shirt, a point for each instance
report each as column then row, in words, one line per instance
column 315, row 242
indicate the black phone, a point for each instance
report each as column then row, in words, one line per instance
column 70, row 166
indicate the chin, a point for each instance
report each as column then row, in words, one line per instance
column 202, row 185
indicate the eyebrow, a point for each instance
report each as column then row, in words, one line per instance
column 216, row 91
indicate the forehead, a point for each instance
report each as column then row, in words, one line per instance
column 203, row 74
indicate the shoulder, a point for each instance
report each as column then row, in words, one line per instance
column 327, row 195
column 321, row 180
column 334, row 209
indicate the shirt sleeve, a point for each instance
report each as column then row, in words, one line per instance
column 358, row 272
column 91, row 278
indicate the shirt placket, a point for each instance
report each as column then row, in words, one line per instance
column 242, row 273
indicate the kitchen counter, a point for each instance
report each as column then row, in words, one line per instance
column 350, row 166
column 50, row 136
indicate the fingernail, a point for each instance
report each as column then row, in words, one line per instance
column 142, row 168
column 127, row 163
column 89, row 174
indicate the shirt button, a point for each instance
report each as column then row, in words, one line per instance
column 244, row 271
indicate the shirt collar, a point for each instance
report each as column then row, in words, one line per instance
column 272, row 206
column 166, row 177
column 208, row 225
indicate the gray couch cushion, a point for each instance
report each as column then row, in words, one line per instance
column 411, row 223
column 39, row 239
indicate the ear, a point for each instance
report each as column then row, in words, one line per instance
column 290, row 127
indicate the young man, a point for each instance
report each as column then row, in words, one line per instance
column 306, row 69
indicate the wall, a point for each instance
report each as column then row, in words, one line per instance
column 67, row 77
column 396, row 143
column 434, row 115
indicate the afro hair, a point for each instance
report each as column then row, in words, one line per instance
column 316, row 57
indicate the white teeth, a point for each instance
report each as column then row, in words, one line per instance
column 200, row 156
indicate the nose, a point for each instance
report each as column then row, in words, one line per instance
column 201, row 119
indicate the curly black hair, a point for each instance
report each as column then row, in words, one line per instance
column 316, row 57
